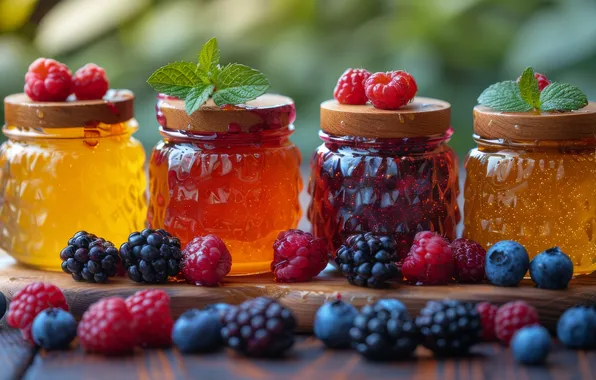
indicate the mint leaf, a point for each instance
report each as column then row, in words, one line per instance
column 562, row 97
column 238, row 84
column 175, row 79
column 209, row 56
column 197, row 97
column 504, row 96
column 528, row 87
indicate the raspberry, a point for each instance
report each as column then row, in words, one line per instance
column 390, row 90
column 48, row 80
column 487, row 312
column 430, row 260
column 298, row 256
column 350, row 87
column 513, row 316
column 29, row 302
column 542, row 81
column 206, row 260
column 469, row 260
column 90, row 82
column 107, row 328
column 152, row 322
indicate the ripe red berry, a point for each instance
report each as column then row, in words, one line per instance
column 542, row 81
column 298, row 256
column 152, row 321
column 513, row 316
column 107, row 328
column 90, row 82
column 390, row 90
column 430, row 260
column 487, row 312
column 48, row 80
column 206, row 260
column 350, row 87
column 30, row 301
column 469, row 260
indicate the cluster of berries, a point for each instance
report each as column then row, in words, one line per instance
column 48, row 80
column 390, row 90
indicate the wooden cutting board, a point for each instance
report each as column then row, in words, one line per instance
column 303, row 298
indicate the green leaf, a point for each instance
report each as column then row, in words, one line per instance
column 504, row 96
column 197, row 96
column 562, row 97
column 238, row 84
column 209, row 56
column 528, row 87
column 175, row 79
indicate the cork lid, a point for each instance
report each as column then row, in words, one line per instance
column 117, row 106
column 573, row 125
column 267, row 112
column 422, row 117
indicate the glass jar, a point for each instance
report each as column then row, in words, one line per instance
column 66, row 167
column 388, row 172
column 231, row 172
column 532, row 179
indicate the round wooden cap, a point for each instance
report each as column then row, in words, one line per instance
column 117, row 106
column 573, row 125
column 268, row 111
column 422, row 117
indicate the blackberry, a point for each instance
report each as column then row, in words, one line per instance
column 151, row 256
column 259, row 327
column 449, row 327
column 368, row 260
column 89, row 258
column 384, row 333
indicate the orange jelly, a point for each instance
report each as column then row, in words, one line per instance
column 229, row 171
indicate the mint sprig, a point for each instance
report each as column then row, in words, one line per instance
column 524, row 95
column 196, row 83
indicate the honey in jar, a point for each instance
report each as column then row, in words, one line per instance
column 532, row 179
column 230, row 171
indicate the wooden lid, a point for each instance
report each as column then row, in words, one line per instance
column 267, row 112
column 422, row 117
column 117, row 106
column 573, row 125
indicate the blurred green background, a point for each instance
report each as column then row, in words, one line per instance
column 454, row 48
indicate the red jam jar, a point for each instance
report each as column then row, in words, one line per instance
column 230, row 171
column 387, row 172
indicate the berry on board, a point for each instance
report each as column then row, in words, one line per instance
column 430, row 260
column 333, row 322
column 513, row 316
column 152, row 320
column 350, row 87
column 390, row 90
column 487, row 312
column 577, row 327
column 551, row 269
column 197, row 331
column 506, row 263
column 469, row 260
column 29, row 302
column 54, row 329
column 89, row 258
column 368, row 260
column 206, row 261
column 90, row 82
column 48, row 80
column 530, row 345
column 298, row 256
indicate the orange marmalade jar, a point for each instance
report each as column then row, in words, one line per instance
column 532, row 179
column 66, row 167
column 229, row 171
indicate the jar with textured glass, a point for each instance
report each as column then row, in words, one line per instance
column 230, row 171
column 388, row 172
column 68, row 166
column 532, row 179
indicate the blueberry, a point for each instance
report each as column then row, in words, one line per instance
column 577, row 327
column 551, row 269
column 219, row 308
column 506, row 263
column 2, row 305
column 333, row 322
column 531, row 345
column 54, row 329
column 197, row 331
